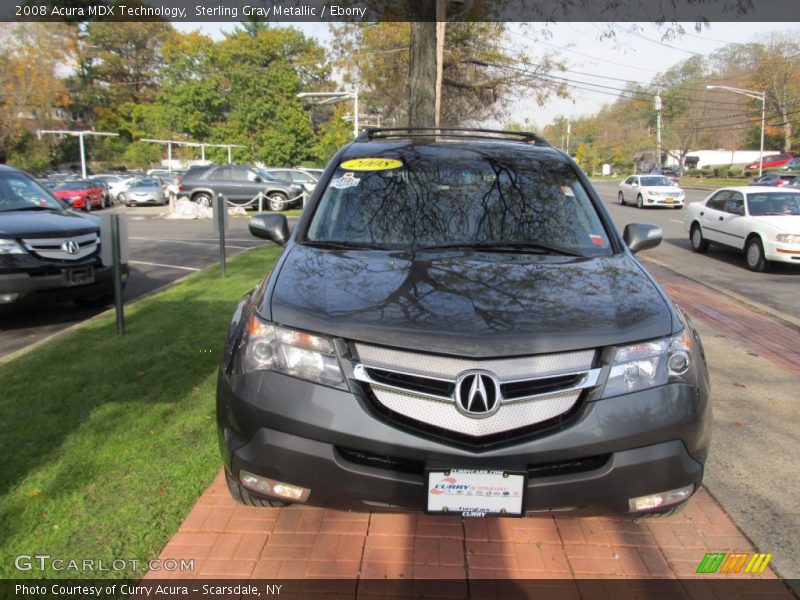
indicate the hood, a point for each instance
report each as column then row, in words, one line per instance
column 468, row 303
column 49, row 223
column 781, row 223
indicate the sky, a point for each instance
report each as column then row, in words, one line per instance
column 637, row 55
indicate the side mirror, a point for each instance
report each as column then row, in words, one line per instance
column 641, row 236
column 269, row 226
column 257, row 179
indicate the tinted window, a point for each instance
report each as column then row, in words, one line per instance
column 735, row 204
column 242, row 174
column 448, row 196
column 718, row 200
column 221, row 173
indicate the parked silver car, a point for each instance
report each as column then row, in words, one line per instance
column 148, row 190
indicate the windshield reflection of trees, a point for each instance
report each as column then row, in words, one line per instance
column 463, row 197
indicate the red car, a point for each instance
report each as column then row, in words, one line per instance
column 76, row 192
column 771, row 162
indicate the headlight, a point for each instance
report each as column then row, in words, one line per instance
column 650, row 364
column 10, row 247
column 303, row 355
column 788, row 238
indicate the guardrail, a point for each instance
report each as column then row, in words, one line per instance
column 260, row 197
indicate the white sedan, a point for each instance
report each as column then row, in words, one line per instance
column 761, row 221
column 650, row 190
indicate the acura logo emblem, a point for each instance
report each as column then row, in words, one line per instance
column 478, row 393
column 70, row 247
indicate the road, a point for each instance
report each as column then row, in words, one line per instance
column 724, row 269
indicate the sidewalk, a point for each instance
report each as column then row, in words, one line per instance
column 232, row 541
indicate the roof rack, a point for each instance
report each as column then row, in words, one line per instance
column 374, row 133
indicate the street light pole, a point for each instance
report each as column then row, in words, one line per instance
column 80, row 135
column 332, row 97
column 758, row 96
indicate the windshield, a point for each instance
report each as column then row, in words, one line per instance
column 149, row 182
column 779, row 203
column 434, row 196
column 19, row 192
column 656, row 181
column 72, row 185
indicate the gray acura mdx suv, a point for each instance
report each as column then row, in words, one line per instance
column 455, row 325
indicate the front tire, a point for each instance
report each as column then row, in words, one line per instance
column 754, row 255
column 699, row 243
column 639, row 201
column 621, row 199
column 276, row 202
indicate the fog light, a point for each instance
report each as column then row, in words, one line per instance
column 7, row 298
column 270, row 487
column 660, row 499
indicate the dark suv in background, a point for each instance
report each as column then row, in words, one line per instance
column 48, row 252
column 455, row 325
column 239, row 184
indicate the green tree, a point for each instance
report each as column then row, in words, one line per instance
column 259, row 78
column 332, row 135
column 30, row 89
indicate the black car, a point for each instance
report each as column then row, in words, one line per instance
column 239, row 184
column 47, row 251
column 777, row 179
column 456, row 326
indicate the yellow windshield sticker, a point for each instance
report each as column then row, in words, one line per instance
column 371, row 164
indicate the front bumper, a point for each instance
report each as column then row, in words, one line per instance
column 330, row 442
column 782, row 252
column 663, row 201
column 36, row 287
column 158, row 200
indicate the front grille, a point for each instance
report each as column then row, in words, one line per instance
column 568, row 467
column 53, row 248
column 417, row 467
column 381, row 461
column 418, row 391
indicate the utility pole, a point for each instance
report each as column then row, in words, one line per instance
column 657, row 107
column 569, row 131
column 80, row 135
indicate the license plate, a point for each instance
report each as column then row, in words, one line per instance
column 670, row 200
column 476, row 492
column 78, row 276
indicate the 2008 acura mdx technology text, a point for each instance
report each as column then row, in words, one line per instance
column 455, row 325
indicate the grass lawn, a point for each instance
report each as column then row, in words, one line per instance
column 108, row 440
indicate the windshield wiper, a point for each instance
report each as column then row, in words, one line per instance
column 525, row 247
column 31, row 208
column 342, row 245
